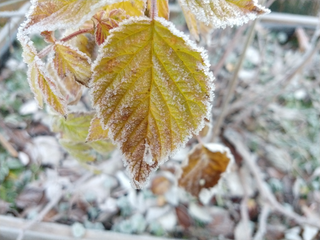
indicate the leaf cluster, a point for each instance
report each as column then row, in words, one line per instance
column 150, row 86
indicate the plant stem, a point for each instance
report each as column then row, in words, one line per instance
column 154, row 9
column 47, row 49
column 72, row 35
column 232, row 85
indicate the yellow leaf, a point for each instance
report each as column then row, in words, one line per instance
column 163, row 8
column 47, row 15
column 222, row 13
column 96, row 132
column 70, row 61
column 115, row 13
column 133, row 8
column 192, row 23
column 205, row 165
column 49, row 89
column 152, row 89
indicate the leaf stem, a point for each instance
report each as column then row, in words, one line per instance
column 232, row 85
column 72, row 35
column 47, row 49
column 154, row 9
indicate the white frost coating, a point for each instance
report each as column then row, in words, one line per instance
column 228, row 13
column 41, row 66
column 202, row 67
column 68, row 20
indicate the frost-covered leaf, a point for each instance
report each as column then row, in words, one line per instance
column 133, row 8
column 163, row 8
column 68, row 87
column 152, row 89
column 49, row 15
column 70, row 62
column 29, row 53
column 48, row 36
column 96, row 132
column 222, row 13
column 115, row 13
column 204, row 167
column 192, row 22
column 49, row 89
column 73, row 132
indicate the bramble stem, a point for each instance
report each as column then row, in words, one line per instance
column 47, row 49
column 154, row 9
column 72, row 35
column 232, row 86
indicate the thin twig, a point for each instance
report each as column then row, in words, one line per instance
column 244, row 204
column 229, row 48
column 232, row 85
column 264, row 189
column 53, row 202
column 7, row 145
column 262, row 222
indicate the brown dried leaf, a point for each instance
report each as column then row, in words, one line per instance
column 205, row 165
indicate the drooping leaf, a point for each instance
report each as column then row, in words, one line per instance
column 163, row 8
column 49, row 88
column 74, row 128
column 49, row 15
column 70, row 62
column 96, row 132
column 204, row 167
column 192, row 22
column 222, row 13
column 73, row 132
column 29, row 53
column 68, row 87
column 79, row 151
column 152, row 90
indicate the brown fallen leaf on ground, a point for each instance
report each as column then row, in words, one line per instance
column 205, row 165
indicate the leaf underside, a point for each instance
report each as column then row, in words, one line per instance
column 152, row 89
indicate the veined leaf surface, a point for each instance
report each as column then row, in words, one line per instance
column 152, row 89
column 70, row 61
column 133, row 8
column 222, row 13
column 49, row 15
column 204, row 167
column 96, row 132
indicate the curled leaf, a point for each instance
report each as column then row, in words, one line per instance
column 70, row 62
column 222, row 13
column 204, row 167
column 152, row 89
column 49, row 88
